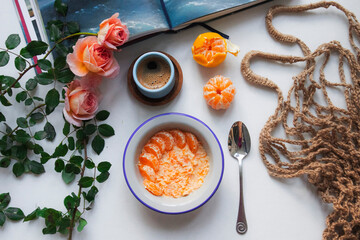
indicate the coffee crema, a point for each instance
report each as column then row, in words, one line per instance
column 153, row 72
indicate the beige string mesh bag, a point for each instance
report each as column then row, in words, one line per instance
column 322, row 141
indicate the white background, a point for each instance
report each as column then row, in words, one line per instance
column 276, row 209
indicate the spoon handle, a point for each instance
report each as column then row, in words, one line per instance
column 241, row 225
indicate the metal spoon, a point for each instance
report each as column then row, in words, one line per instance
column 239, row 146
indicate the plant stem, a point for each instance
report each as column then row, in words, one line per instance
column 67, row 37
column 27, row 116
column 72, row 222
column 18, row 79
column 18, row 55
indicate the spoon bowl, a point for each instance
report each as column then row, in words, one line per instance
column 239, row 145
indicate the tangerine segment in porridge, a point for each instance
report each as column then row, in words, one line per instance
column 173, row 163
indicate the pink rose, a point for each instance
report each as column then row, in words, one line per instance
column 90, row 56
column 81, row 101
column 112, row 32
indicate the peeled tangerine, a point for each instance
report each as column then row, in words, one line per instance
column 210, row 49
column 219, row 92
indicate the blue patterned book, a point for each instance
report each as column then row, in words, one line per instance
column 142, row 17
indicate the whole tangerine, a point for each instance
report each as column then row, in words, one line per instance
column 219, row 92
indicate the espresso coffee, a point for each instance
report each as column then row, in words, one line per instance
column 153, row 72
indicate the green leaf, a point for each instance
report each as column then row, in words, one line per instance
column 22, row 136
column 80, row 135
column 73, row 27
column 31, row 84
column 44, row 64
column 59, row 165
column 10, row 92
column 55, row 33
column 69, row 203
column 38, row 99
column 50, row 130
column 5, row 144
column 38, row 149
column 22, row 122
column 12, row 41
column 4, row 101
column 5, row 162
column 102, row 177
column 4, row 58
column 33, row 215
column 45, row 78
column 89, row 129
column 52, row 99
column 64, row 225
column 65, row 76
column 14, row 214
column 44, row 157
column 77, row 160
column 71, row 144
column 2, row 117
column 25, row 53
column 90, row 196
column 86, row 182
column 38, row 116
column 8, row 128
column 66, row 128
column 20, row 63
column 29, row 101
column 82, row 224
column 18, row 169
column 60, row 63
column 106, row 130
column 4, row 200
column 102, row 115
column 40, row 135
column 67, row 177
column 98, row 144
column 89, row 164
column 36, row 167
column 69, row 168
column 21, row 96
column 10, row 81
column 36, row 48
column 61, row 50
column 60, row 150
column 57, row 23
column 61, row 7
column 49, row 230
column 2, row 218
column 104, row 166
column 26, row 163
column 19, row 151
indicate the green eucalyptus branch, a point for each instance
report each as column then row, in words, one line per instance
column 17, row 143
column 46, row 55
column 72, row 221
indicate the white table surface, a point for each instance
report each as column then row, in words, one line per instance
column 276, row 209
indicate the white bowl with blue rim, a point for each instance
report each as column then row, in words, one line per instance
column 183, row 122
column 159, row 92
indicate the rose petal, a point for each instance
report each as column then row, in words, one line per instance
column 76, row 66
column 113, row 71
column 70, row 119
